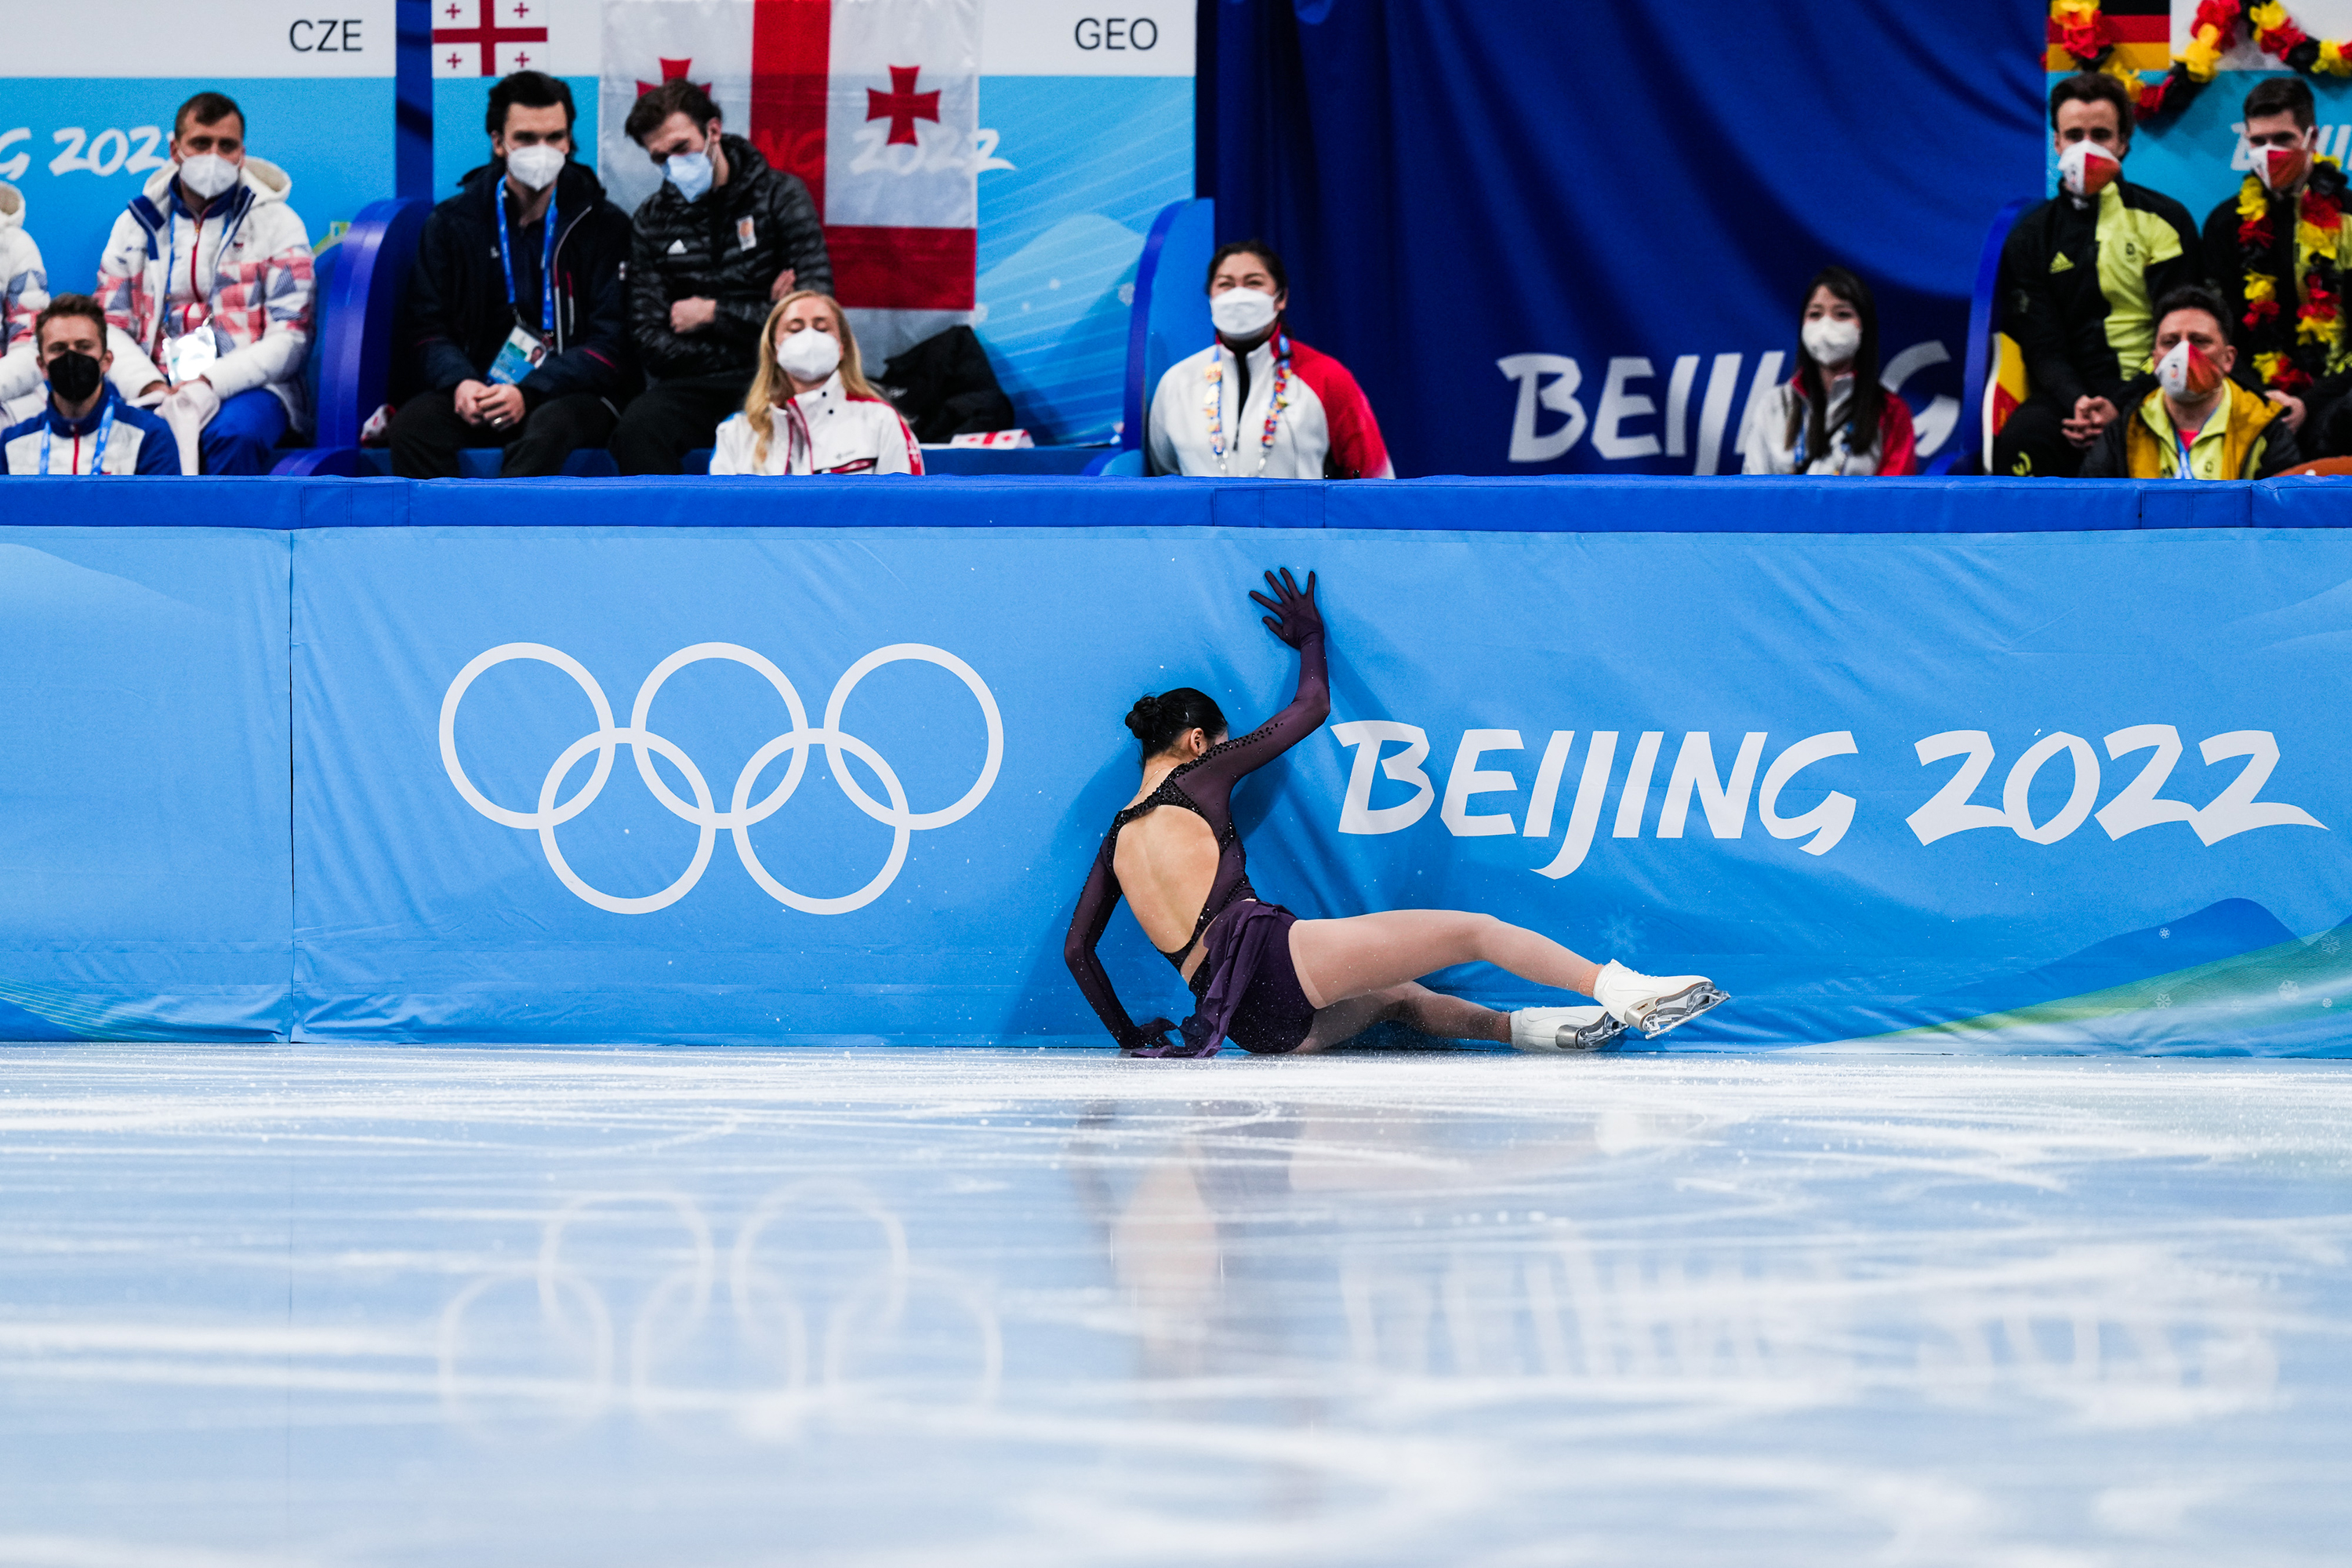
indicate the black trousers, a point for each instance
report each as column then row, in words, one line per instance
column 2034, row 436
column 671, row 418
column 428, row 433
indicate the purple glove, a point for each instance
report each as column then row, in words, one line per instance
column 1295, row 619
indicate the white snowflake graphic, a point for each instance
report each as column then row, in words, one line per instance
column 1621, row 932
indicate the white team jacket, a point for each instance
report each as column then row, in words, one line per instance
column 252, row 265
column 24, row 294
column 826, row 431
column 1325, row 418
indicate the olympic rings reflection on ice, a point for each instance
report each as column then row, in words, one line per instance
column 573, row 1344
column 740, row 815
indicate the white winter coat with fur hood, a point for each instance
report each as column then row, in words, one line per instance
column 249, row 258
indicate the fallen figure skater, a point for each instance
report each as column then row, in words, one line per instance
column 1273, row 982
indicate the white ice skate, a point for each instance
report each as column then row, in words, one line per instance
column 1652, row 1004
column 1563, row 1028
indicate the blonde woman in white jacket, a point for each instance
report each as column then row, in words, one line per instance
column 207, row 287
column 811, row 410
column 24, row 294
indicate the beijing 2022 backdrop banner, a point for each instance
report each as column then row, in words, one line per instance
column 2009, row 793
column 1556, row 239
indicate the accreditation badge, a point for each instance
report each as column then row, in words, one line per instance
column 523, row 352
column 190, row 355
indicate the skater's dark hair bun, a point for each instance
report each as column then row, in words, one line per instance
column 1158, row 721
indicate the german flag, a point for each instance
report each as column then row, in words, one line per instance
column 2141, row 31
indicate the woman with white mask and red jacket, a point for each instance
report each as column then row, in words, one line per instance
column 811, row 410
column 1833, row 417
column 1257, row 403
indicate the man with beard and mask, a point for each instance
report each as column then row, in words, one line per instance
column 723, row 240
column 517, row 311
column 207, row 281
column 2198, row 424
column 1257, row 403
column 2278, row 248
column 84, row 425
column 2078, row 275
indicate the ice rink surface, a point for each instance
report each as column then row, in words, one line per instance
column 992, row 1308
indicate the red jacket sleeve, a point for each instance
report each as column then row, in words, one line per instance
column 1898, row 445
column 1357, row 450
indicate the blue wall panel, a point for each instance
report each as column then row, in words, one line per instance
column 143, row 889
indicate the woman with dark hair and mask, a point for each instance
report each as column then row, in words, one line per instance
column 1271, row 982
column 1816, row 423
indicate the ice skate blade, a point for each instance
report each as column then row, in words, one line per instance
column 1673, row 1012
column 1592, row 1036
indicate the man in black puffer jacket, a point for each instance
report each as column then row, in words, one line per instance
column 723, row 240
column 549, row 284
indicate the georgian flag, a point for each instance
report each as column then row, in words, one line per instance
column 875, row 104
column 494, row 38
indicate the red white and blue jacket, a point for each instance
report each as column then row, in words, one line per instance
column 1325, row 428
column 139, row 443
column 250, row 258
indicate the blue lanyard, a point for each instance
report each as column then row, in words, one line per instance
column 546, row 265
column 98, row 457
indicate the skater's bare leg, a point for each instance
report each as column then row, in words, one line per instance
column 1341, row 959
column 1416, row 1006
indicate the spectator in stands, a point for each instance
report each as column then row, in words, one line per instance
column 724, row 239
column 2198, row 424
column 1808, row 425
column 516, row 307
column 24, row 293
column 2255, row 261
column 811, row 410
column 1256, row 403
column 206, row 278
column 2078, row 276
column 83, row 426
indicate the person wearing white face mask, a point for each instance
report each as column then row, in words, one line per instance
column 207, row 281
column 2079, row 277
column 724, row 237
column 1832, row 416
column 2198, row 424
column 2260, row 262
column 1257, row 403
column 516, row 319
column 811, row 410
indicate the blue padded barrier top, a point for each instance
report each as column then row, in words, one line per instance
column 1565, row 505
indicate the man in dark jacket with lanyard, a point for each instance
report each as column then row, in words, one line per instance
column 517, row 311
column 724, row 237
column 2079, row 276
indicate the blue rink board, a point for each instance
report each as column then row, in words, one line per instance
column 1563, row 504
column 2147, row 859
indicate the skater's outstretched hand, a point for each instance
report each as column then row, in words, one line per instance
column 1296, row 619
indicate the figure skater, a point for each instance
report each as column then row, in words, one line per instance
column 1273, row 982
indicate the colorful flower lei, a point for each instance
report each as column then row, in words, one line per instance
column 2089, row 40
column 1276, row 403
column 2289, row 352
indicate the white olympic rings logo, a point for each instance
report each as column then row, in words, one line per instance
column 741, row 815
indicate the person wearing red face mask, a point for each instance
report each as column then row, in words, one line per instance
column 2078, row 276
column 2198, row 424
column 2276, row 254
